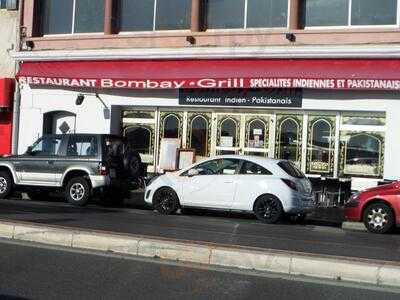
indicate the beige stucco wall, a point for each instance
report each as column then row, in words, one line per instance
column 8, row 33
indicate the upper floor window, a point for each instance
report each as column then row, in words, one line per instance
column 72, row 16
column 149, row 15
column 349, row 12
column 227, row 14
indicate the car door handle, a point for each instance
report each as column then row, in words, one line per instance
column 228, row 181
column 50, row 162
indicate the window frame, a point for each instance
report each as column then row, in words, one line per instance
column 350, row 26
column 72, row 33
column 154, row 29
column 211, row 30
column 60, row 151
column 195, row 167
column 77, row 139
column 244, row 161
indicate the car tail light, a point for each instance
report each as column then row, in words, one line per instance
column 290, row 183
column 103, row 170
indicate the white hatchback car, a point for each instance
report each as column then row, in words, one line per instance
column 269, row 188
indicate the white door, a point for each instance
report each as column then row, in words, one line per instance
column 214, row 187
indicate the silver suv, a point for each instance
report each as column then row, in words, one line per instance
column 76, row 164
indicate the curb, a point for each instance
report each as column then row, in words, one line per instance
column 356, row 226
column 284, row 262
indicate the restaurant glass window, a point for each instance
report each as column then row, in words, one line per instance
column 231, row 14
column 349, row 13
column 288, row 138
column 140, row 138
column 228, row 134
column 199, row 131
column 229, row 130
column 150, row 15
column 171, row 126
column 72, row 16
column 321, row 145
column 139, row 130
column 257, row 135
column 362, row 154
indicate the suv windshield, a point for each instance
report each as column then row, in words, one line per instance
column 291, row 169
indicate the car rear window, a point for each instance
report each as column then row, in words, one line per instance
column 291, row 169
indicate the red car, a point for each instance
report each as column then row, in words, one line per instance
column 378, row 207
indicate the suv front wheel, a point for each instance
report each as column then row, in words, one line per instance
column 6, row 184
column 78, row 191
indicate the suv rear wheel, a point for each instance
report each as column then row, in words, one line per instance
column 6, row 185
column 78, row 191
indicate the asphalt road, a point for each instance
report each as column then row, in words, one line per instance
column 30, row 272
column 209, row 227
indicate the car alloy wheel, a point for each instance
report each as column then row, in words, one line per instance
column 268, row 209
column 166, row 201
column 77, row 191
column 3, row 185
column 378, row 218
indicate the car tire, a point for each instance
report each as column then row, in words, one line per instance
column 165, row 201
column 6, row 185
column 378, row 218
column 268, row 209
column 78, row 191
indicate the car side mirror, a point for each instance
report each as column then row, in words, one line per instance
column 193, row 172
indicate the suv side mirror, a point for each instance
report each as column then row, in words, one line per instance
column 29, row 150
column 193, row 172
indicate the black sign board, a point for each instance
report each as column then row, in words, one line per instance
column 242, row 97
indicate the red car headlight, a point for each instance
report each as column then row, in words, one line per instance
column 353, row 200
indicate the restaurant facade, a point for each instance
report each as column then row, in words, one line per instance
column 294, row 88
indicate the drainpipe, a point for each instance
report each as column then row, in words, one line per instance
column 17, row 93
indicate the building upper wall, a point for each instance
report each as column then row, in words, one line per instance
column 105, row 24
column 8, row 41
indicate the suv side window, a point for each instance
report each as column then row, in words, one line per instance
column 226, row 166
column 46, row 146
column 82, row 146
column 250, row 168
